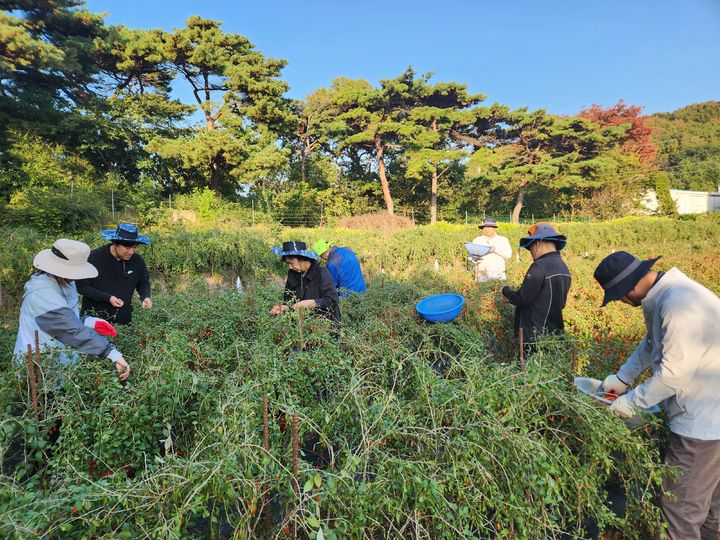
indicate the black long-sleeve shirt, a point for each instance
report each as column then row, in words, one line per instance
column 541, row 298
column 115, row 278
column 317, row 284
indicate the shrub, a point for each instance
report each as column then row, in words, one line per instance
column 423, row 426
column 377, row 221
column 56, row 209
column 661, row 183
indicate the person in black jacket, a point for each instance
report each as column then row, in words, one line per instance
column 540, row 300
column 308, row 284
column 121, row 272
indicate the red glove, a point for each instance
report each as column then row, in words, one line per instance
column 101, row 326
column 104, row 328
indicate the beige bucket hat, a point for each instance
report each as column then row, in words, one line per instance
column 66, row 259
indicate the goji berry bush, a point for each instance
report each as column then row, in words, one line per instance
column 405, row 429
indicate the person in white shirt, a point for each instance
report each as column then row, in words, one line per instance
column 682, row 348
column 492, row 265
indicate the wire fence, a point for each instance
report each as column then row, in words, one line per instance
column 318, row 217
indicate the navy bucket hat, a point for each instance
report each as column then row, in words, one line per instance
column 544, row 232
column 125, row 232
column 619, row 272
column 298, row 249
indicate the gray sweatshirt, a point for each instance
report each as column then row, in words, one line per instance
column 52, row 310
column 682, row 345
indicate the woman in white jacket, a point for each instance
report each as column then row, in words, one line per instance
column 50, row 307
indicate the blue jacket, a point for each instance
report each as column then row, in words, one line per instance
column 346, row 272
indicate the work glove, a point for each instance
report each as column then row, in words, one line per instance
column 622, row 407
column 123, row 368
column 101, row 326
column 613, row 385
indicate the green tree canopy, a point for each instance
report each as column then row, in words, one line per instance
column 240, row 96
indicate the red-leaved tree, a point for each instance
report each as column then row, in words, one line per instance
column 639, row 136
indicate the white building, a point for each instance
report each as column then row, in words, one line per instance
column 695, row 202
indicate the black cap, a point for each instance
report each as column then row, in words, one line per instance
column 619, row 272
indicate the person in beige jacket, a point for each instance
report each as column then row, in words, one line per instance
column 492, row 265
column 682, row 346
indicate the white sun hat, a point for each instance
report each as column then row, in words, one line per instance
column 66, row 259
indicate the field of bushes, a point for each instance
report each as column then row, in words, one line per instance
column 405, row 429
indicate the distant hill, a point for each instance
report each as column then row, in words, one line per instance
column 688, row 140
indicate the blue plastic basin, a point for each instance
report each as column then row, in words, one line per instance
column 441, row 307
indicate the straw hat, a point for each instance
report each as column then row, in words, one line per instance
column 66, row 259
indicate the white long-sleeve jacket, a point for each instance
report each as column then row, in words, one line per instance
column 492, row 265
column 52, row 311
column 682, row 345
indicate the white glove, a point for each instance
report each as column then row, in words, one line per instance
column 613, row 385
column 90, row 321
column 123, row 369
column 101, row 326
column 622, row 407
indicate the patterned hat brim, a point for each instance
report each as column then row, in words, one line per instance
column 308, row 253
column 111, row 234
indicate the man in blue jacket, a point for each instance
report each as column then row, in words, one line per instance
column 344, row 267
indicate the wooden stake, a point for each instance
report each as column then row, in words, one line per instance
column 522, row 350
column 296, row 485
column 252, row 298
column 266, row 426
column 300, row 330
column 266, row 445
column 38, row 375
column 31, row 380
column 574, row 359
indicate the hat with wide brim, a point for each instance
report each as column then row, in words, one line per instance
column 619, row 272
column 298, row 249
column 66, row 259
column 488, row 222
column 544, row 232
column 125, row 232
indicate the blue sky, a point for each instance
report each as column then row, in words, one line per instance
column 559, row 55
